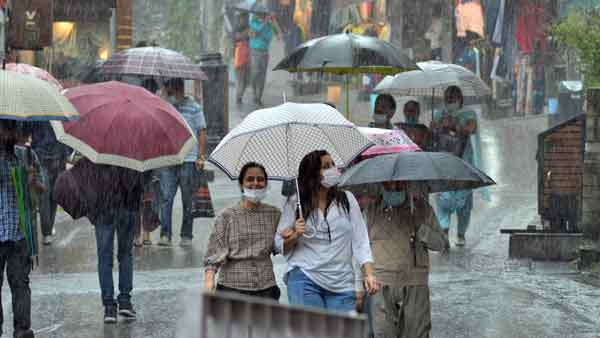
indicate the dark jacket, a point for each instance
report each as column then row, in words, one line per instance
column 88, row 189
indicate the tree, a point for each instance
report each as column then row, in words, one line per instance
column 184, row 29
column 581, row 31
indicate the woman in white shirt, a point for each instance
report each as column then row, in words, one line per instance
column 320, row 244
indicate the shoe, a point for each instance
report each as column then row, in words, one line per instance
column 185, row 242
column 238, row 100
column 461, row 241
column 24, row 334
column 110, row 314
column 137, row 242
column 127, row 311
column 164, row 241
column 146, row 237
column 48, row 240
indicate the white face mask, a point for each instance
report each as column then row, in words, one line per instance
column 453, row 106
column 255, row 195
column 380, row 118
column 331, row 177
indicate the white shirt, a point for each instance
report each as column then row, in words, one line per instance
column 328, row 264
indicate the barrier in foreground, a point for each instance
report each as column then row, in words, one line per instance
column 226, row 315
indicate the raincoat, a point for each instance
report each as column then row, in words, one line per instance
column 460, row 202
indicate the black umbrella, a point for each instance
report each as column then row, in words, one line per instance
column 252, row 7
column 347, row 54
column 439, row 171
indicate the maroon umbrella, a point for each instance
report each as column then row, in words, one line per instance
column 125, row 126
column 152, row 61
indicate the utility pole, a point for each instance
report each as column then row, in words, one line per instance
column 124, row 15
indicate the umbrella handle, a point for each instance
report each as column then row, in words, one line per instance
column 306, row 235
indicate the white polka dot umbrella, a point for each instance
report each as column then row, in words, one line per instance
column 279, row 137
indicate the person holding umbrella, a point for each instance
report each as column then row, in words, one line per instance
column 241, row 243
column 261, row 35
column 15, row 251
column 320, row 236
column 402, row 228
column 456, row 130
column 181, row 176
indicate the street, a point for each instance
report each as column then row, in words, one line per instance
column 476, row 291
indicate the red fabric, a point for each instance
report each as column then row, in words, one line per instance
column 125, row 120
column 242, row 54
column 530, row 27
column 3, row 4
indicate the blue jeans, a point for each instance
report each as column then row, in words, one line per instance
column 122, row 222
column 171, row 178
column 303, row 291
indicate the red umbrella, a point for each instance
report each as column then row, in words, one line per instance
column 125, row 126
column 26, row 69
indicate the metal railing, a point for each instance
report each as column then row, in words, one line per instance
column 225, row 315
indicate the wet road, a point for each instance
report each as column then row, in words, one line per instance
column 476, row 291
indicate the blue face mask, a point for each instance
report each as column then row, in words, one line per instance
column 394, row 198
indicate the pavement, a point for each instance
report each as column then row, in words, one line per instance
column 476, row 291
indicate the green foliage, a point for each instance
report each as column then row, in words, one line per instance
column 184, row 32
column 581, row 31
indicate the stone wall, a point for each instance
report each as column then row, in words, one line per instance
column 591, row 178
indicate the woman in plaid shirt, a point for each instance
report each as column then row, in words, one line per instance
column 241, row 243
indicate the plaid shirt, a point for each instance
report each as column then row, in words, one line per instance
column 9, row 214
column 241, row 245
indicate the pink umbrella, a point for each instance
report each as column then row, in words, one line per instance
column 26, row 69
column 387, row 141
column 125, row 126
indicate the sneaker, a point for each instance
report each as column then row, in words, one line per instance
column 48, row 240
column 164, row 241
column 461, row 241
column 185, row 242
column 127, row 311
column 110, row 314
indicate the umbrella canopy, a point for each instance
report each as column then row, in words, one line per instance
column 26, row 69
column 439, row 171
column 346, row 54
column 387, row 141
column 280, row 137
column 434, row 77
column 252, row 6
column 152, row 61
column 26, row 98
column 125, row 126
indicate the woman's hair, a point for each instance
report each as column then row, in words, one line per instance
column 417, row 104
column 454, row 90
column 309, row 182
column 249, row 166
column 386, row 97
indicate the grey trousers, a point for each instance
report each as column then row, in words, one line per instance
column 259, row 62
column 401, row 312
column 242, row 77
